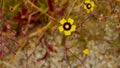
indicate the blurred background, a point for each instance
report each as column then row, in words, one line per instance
column 29, row 35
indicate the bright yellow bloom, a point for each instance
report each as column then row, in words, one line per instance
column 67, row 26
column 86, row 51
column 89, row 5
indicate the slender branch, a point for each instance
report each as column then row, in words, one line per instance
column 78, row 59
column 71, row 8
column 44, row 12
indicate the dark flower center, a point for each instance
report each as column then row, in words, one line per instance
column 67, row 26
column 11, row 8
column 88, row 5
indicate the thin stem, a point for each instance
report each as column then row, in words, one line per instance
column 44, row 12
column 65, row 50
column 78, row 59
column 71, row 8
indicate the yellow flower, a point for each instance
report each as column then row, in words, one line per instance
column 89, row 5
column 67, row 26
column 86, row 51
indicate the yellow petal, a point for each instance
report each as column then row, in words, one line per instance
column 70, row 20
column 87, row 1
column 88, row 10
column 60, row 28
column 86, row 51
column 93, row 4
column 67, row 33
column 62, row 21
column 73, row 28
column 85, row 6
column 92, row 9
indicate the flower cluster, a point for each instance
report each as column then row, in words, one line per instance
column 67, row 26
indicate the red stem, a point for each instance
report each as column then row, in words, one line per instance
column 50, row 4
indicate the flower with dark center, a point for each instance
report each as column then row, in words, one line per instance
column 89, row 5
column 67, row 26
column 11, row 9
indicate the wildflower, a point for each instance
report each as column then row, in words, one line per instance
column 86, row 51
column 67, row 26
column 89, row 5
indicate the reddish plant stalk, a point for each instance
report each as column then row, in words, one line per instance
column 11, row 50
column 16, row 42
column 44, row 57
column 50, row 4
column 50, row 47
